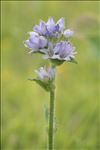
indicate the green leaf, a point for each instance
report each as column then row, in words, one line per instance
column 46, row 86
column 73, row 60
column 57, row 62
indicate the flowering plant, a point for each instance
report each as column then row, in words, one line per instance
column 52, row 41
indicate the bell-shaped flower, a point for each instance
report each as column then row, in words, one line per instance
column 53, row 28
column 60, row 51
column 36, row 42
column 41, row 28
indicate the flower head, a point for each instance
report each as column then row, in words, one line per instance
column 36, row 42
column 41, row 29
column 45, row 78
column 50, row 29
column 61, row 51
column 53, row 28
column 45, row 75
column 50, row 39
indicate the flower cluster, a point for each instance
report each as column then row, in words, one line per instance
column 50, row 29
column 51, row 39
column 45, row 78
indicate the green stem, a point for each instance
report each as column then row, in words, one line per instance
column 51, row 121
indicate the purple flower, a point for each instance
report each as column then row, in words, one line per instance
column 47, row 39
column 68, row 33
column 45, row 75
column 61, row 24
column 50, row 29
column 55, row 29
column 41, row 28
column 36, row 42
column 61, row 51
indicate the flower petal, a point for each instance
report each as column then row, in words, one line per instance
column 61, row 24
column 50, row 25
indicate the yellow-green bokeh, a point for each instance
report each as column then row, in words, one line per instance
column 23, row 121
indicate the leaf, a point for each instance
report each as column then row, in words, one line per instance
column 73, row 60
column 57, row 62
column 42, row 84
column 45, row 86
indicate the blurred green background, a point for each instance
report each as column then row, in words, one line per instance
column 77, row 100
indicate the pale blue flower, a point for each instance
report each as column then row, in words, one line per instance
column 45, row 75
column 61, row 24
column 50, row 29
column 61, row 51
column 41, row 28
column 68, row 33
column 36, row 42
column 47, row 38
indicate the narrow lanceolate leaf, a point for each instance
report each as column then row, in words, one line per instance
column 73, row 61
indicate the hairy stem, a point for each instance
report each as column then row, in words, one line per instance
column 51, row 121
